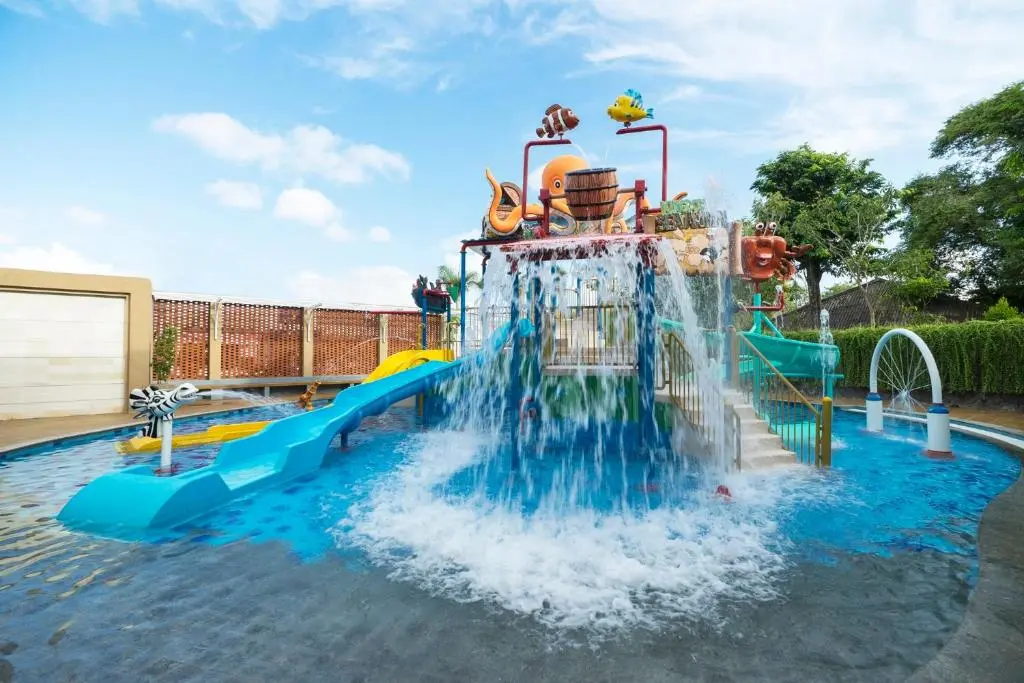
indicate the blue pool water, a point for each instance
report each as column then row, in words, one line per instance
column 410, row 519
column 882, row 495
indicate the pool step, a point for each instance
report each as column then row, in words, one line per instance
column 759, row 446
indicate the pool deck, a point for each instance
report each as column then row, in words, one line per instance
column 988, row 645
column 15, row 434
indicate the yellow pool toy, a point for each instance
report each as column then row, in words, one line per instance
column 215, row 434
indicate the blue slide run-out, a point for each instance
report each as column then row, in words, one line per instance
column 134, row 498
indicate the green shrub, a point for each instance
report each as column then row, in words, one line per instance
column 165, row 351
column 1001, row 310
column 973, row 357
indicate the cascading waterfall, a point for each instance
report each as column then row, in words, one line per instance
column 533, row 490
column 562, row 423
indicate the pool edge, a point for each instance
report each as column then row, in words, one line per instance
column 113, row 430
column 989, row 643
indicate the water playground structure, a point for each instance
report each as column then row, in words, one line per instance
column 615, row 448
column 606, row 326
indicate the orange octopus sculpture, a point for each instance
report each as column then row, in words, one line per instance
column 505, row 215
column 766, row 254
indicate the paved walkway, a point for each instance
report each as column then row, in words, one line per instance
column 1006, row 419
column 21, row 433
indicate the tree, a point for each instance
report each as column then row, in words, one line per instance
column 971, row 213
column 165, row 351
column 917, row 276
column 453, row 282
column 800, row 185
column 854, row 226
column 1001, row 310
column 838, row 288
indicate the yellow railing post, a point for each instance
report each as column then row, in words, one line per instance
column 826, row 432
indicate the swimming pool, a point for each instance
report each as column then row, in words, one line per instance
column 381, row 567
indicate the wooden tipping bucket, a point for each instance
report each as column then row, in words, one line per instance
column 591, row 193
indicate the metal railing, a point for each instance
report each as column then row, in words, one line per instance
column 803, row 428
column 701, row 403
column 590, row 335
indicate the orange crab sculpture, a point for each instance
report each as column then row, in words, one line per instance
column 765, row 255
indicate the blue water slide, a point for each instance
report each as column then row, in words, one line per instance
column 793, row 358
column 125, row 502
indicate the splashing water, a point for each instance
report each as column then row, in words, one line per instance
column 280, row 407
column 827, row 355
column 535, row 493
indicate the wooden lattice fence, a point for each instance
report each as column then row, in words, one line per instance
column 260, row 341
column 192, row 320
column 345, row 342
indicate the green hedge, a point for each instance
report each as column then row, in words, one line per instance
column 973, row 357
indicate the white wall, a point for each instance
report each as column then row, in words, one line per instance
column 61, row 354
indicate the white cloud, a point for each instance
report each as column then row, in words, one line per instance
column 306, row 206
column 6, row 239
column 379, row 233
column 368, row 286
column 87, row 218
column 313, row 150
column 236, row 194
column 56, row 258
column 105, row 11
column 314, row 208
column 23, row 7
column 859, row 75
column 338, row 233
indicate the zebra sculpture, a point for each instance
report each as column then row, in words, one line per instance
column 158, row 405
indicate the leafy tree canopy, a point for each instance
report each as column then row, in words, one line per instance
column 825, row 199
column 971, row 213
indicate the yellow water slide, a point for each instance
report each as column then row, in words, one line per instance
column 403, row 360
column 215, row 434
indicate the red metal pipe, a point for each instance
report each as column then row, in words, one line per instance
column 664, row 151
column 639, row 190
column 545, row 200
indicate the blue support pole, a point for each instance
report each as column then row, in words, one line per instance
column 462, row 304
column 756, row 328
column 537, row 302
column 646, row 349
column 515, row 375
column 423, row 310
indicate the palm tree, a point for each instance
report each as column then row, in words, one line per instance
column 452, row 282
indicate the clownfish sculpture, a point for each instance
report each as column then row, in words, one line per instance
column 558, row 120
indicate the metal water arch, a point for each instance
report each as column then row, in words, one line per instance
column 938, row 414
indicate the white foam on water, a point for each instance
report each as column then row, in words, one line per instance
column 584, row 569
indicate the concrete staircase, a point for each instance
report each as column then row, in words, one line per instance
column 759, row 446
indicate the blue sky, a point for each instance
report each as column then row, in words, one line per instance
column 330, row 150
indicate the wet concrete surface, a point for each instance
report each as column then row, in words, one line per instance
column 989, row 645
column 189, row 612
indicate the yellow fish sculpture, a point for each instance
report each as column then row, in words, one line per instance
column 629, row 107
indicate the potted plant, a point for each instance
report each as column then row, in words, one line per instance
column 165, row 350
